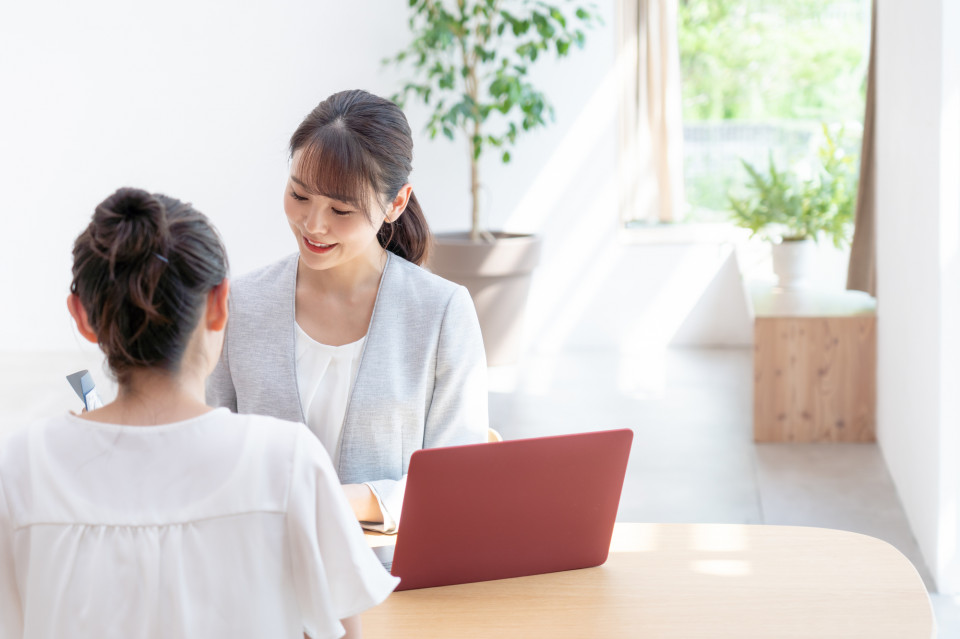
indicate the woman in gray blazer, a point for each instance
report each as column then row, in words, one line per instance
column 401, row 360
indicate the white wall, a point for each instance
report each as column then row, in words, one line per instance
column 918, row 235
column 198, row 99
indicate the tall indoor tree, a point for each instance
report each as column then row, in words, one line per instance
column 470, row 62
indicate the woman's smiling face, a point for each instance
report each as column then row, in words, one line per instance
column 329, row 231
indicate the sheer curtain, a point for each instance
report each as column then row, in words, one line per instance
column 862, row 271
column 651, row 126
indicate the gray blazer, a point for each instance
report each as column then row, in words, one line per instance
column 421, row 382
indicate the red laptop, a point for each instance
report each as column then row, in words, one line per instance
column 511, row 508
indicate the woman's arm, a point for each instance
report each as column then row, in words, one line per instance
column 458, row 409
column 364, row 503
column 352, row 626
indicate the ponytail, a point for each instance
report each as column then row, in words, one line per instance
column 409, row 235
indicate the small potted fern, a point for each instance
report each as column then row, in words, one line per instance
column 794, row 213
column 469, row 64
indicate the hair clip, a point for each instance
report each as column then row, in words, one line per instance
column 162, row 258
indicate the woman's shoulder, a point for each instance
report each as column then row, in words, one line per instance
column 273, row 277
column 420, row 283
column 59, row 436
column 247, row 461
column 266, row 289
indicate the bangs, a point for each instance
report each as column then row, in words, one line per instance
column 334, row 165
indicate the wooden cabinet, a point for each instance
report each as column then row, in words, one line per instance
column 815, row 362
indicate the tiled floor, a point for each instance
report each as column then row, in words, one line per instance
column 693, row 459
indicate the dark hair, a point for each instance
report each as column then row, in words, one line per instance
column 142, row 269
column 355, row 140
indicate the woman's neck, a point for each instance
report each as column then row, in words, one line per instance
column 153, row 397
column 345, row 281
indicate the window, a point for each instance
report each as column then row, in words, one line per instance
column 758, row 78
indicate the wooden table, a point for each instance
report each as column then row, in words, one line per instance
column 686, row 580
column 814, row 365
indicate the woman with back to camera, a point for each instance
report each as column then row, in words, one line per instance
column 155, row 515
column 349, row 335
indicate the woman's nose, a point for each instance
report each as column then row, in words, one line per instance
column 315, row 221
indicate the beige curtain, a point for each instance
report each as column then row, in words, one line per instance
column 862, row 271
column 651, row 126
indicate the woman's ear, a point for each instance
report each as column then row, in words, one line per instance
column 79, row 315
column 218, row 306
column 399, row 204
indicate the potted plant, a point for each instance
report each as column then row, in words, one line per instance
column 794, row 213
column 469, row 62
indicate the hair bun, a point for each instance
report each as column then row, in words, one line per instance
column 142, row 270
column 129, row 226
column 132, row 203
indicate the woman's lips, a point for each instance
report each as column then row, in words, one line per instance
column 317, row 247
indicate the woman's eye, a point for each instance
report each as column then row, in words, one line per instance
column 339, row 212
column 298, row 198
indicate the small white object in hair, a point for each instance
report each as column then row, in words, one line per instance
column 162, row 258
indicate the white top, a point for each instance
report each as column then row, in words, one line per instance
column 219, row 526
column 325, row 377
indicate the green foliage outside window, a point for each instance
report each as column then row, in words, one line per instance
column 793, row 59
column 759, row 77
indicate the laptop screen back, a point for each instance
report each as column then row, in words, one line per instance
column 508, row 509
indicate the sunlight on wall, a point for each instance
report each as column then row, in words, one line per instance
column 948, row 541
column 562, row 168
column 588, row 258
column 682, row 287
column 576, row 254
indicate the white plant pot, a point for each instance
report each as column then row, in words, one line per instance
column 794, row 263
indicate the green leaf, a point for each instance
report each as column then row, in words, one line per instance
column 505, row 157
column 778, row 202
column 557, row 15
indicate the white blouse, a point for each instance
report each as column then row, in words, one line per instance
column 219, row 526
column 325, row 377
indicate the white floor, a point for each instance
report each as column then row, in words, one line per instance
column 693, row 459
